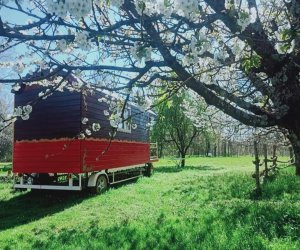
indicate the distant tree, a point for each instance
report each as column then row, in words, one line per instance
column 6, row 136
column 159, row 131
column 6, row 144
column 173, row 125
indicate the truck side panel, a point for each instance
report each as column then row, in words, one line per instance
column 52, row 156
column 101, row 154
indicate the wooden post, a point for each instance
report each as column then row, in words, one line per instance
column 256, row 162
column 291, row 155
column 266, row 159
column 274, row 157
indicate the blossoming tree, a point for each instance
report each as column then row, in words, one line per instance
column 5, row 138
column 175, row 125
column 241, row 56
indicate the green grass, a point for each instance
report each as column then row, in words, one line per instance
column 4, row 167
column 5, row 164
column 208, row 205
column 240, row 164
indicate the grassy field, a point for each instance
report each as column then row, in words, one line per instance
column 4, row 167
column 208, row 205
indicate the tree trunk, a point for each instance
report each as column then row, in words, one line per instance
column 297, row 161
column 207, row 147
column 215, row 150
column 160, row 150
column 296, row 149
column 229, row 149
column 295, row 141
column 182, row 160
column 224, row 148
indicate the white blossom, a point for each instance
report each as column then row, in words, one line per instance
column 81, row 39
column 229, row 4
column 113, row 123
column 220, row 56
column 164, row 8
column 19, row 67
column 246, row 18
column 84, row 120
column 253, row 15
column 117, row 3
column 102, row 99
column 27, row 109
column 148, row 51
column 190, row 59
column 81, row 136
column 96, row 127
column 140, row 6
column 115, row 120
column 16, row 87
column 62, row 45
column 186, row 7
column 112, row 134
column 23, row 112
column 18, row 111
column 88, row 132
column 25, row 117
column 282, row 47
column 139, row 52
column 77, row 8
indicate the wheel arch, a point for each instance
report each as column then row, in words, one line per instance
column 93, row 178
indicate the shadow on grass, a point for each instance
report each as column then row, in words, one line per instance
column 174, row 169
column 31, row 206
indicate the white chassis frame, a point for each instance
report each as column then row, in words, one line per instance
column 92, row 179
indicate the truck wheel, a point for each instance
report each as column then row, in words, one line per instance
column 101, row 184
column 149, row 170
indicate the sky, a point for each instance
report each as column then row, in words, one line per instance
column 10, row 16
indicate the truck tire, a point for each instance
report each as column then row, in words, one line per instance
column 101, row 184
column 149, row 170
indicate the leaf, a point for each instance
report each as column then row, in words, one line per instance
column 167, row 3
column 169, row 104
column 252, row 62
column 286, row 34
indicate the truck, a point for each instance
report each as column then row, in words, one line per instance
column 72, row 141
